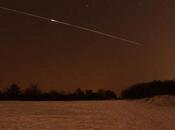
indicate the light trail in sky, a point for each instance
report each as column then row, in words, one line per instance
column 74, row 26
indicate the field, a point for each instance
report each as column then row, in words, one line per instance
column 86, row 115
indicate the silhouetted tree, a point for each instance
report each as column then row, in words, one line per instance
column 1, row 95
column 105, row 94
column 33, row 92
column 89, row 92
column 55, row 95
column 79, row 94
column 12, row 92
column 100, row 94
column 110, row 94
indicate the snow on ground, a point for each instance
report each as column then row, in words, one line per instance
column 95, row 115
column 165, row 100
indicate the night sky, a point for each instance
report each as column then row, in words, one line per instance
column 58, row 57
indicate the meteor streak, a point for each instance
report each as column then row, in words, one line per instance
column 73, row 26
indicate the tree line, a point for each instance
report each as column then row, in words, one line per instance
column 137, row 91
column 34, row 93
column 149, row 89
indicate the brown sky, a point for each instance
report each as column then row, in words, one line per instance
column 59, row 57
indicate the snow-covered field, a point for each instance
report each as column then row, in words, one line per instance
column 95, row 115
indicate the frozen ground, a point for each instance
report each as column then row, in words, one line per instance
column 100, row 115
